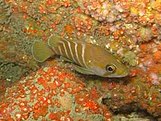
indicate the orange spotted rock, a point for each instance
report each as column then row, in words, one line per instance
column 157, row 56
column 47, row 93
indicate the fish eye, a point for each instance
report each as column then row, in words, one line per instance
column 110, row 68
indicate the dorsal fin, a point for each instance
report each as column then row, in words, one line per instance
column 54, row 40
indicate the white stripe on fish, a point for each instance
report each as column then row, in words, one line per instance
column 83, row 52
column 69, row 45
column 65, row 49
column 55, row 50
column 76, row 52
column 60, row 50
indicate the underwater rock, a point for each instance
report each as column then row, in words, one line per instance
column 141, row 92
column 51, row 94
column 133, row 117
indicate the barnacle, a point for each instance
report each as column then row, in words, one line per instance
column 130, row 58
column 101, row 34
column 145, row 34
column 5, row 12
column 101, row 10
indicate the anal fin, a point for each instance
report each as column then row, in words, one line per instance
column 83, row 70
column 65, row 59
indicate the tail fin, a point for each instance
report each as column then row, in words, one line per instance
column 41, row 51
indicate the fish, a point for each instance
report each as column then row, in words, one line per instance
column 87, row 58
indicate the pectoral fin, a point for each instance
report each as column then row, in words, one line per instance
column 65, row 59
column 41, row 51
column 83, row 70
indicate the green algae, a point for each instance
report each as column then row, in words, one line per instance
column 96, row 117
column 11, row 71
column 16, row 46
column 132, row 117
column 5, row 12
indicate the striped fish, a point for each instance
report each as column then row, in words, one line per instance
column 87, row 58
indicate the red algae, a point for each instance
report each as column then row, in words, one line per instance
column 41, row 111
column 47, row 98
column 69, row 29
column 91, row 105
column 60, row 116
column 157, row 56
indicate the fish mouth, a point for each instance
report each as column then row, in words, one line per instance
column 117, row 75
